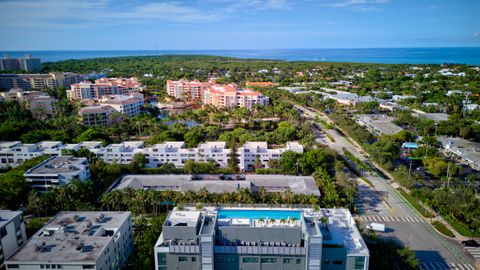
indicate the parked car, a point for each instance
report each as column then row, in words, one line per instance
column 470, row 243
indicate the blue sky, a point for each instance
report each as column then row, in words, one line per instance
column 236, row 24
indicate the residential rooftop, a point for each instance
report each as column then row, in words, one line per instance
column 7, row 215
column 298, row 223
column 72, row 237
column 221, row 183
column 58, row 165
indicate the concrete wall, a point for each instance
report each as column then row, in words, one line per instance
column 233, row 233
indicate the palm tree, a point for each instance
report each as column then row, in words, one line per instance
column 324, row 221
column 261, row 220
column 283, row 221
column 272, row 220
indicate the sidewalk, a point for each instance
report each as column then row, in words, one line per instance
column 437, row 217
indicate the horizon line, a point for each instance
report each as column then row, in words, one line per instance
column 352, row 48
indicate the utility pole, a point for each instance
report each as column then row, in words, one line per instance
column 448, row 175
column 410, row 169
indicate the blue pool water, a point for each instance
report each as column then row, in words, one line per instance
column 257, row 214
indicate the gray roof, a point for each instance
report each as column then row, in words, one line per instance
column 6, row 216
column 61, row 239
column 221, row 183
column 58, row 165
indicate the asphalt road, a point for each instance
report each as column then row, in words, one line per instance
column 381, row 203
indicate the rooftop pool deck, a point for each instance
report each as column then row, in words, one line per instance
column 257, row 214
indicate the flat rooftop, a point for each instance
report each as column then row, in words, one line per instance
column 379, row 122
column 71, row 237
column 7, row 144
column 437, row 117
column 183, row 218
column 7, row 215
column 342, row 229
column 58, row 165
column 466, row 149
column 221, row 183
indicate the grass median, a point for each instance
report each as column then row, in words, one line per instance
column 413, row 202
column 443, row 229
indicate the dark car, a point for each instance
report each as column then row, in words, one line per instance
column 470, row 243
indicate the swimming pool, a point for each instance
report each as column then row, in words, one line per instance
column 257, row 214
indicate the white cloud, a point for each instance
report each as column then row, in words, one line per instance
column 85, row 14
column 476, row 35
column 358, row 5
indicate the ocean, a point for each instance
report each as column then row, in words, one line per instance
column 464, row 55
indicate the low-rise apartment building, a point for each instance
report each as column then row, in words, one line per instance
column 14, row 153
column 99, row 115
column 57, row 171
column 219, row 184
column 12, row 233
column 121, row 153
column 129, row 105
column 250, row 156
column 220, row 238
column 177, row 154
column 40, row 104
column 77, row 241
column 253, row 155
column 103, row 87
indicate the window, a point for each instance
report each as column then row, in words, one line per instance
column 88, row 266
column 11, row 266
column 231, row 259
column 269, row 260
column 250, row 260
column 3, row 232
column 287, row 260
column 326, row 262
column 359, row 263
column 337, row 262
column 183, row 259
column 162, row 259
column 299, row 261
column 194, row 259
column 219, row 258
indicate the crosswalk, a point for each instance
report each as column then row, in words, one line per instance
column 390, row 219
column 475, row 252
column 445, row 266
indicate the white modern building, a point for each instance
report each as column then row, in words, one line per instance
column 77, row 241
column 254, row 155
column 177, row 154
column 253, row 238
column 121, row 153
column 14, row 153
column 57, row 171
column 12, row 233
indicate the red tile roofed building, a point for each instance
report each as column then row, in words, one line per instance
column 103, row 87
column 187, row 90
column 96, row 115
column 230, row 95
column 260, row 84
